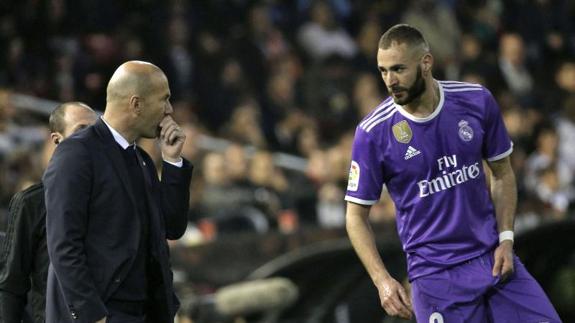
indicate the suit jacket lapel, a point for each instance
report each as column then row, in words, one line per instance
column 111, row 149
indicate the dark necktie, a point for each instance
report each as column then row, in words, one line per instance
column 144, row 168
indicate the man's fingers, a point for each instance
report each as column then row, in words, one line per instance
column 403, row 310
column 167, row 129
column 389, row 310
column 405, row 315
column 167, row 119
column 405, row 303
column 507, row 269
column 170, row 133
column 394, row 299
column 389, row 304
column 405, row 298
column 167, row 123
column 497, row 265
column 173, row 136
column 395, row 307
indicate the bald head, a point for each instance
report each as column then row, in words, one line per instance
column 58, row 121
column 68, row 118
column 138, row 99
column 133, row 78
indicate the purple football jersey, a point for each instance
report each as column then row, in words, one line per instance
column 432, row 169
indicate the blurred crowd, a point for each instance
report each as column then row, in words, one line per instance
column 293, row 77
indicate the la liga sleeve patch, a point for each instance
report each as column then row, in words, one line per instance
column 353, row 180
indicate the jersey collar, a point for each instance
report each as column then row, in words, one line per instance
column 429, row 117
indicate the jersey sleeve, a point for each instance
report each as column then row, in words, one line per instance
column 365, row 179
column 497, row 143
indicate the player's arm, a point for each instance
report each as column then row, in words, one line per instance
column 393, row 296
column 504, row 196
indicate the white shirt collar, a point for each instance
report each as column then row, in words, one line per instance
column 117, row 136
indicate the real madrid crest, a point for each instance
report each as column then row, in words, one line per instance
column 465, row 131
column 402, row 132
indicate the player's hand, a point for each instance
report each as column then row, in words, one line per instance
column 102, row 320
column 503, row 260
column 394, row 299
column 172, row 139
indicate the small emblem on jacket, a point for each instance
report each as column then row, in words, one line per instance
column 465, row 131
column 402, row 132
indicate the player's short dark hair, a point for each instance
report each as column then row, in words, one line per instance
column 56, row 121
column 403, row 33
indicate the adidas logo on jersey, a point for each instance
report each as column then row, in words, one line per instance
column 411, row 152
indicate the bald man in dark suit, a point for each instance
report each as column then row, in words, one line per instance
column 108, row 214
column 23, row 256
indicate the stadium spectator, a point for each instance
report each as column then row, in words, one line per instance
column 322, row 36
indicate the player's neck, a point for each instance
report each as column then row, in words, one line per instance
column 424, row 106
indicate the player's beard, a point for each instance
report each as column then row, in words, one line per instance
column 414, row 91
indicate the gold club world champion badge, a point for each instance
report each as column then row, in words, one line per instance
column 402, row 132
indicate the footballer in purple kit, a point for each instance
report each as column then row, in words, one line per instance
column 427, row 143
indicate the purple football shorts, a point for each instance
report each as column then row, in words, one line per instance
column 469, row 293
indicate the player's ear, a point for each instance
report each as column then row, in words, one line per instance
column 56, row 137
column 426, row 63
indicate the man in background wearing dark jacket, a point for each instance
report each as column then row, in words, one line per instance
column 23, row 254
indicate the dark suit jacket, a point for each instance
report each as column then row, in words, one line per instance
column 93, row 230
column 24, row 258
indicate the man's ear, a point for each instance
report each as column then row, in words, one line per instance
column 56, row 137
column 136, row 104
column 427, row 63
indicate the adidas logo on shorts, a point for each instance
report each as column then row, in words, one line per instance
column 411, row 152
